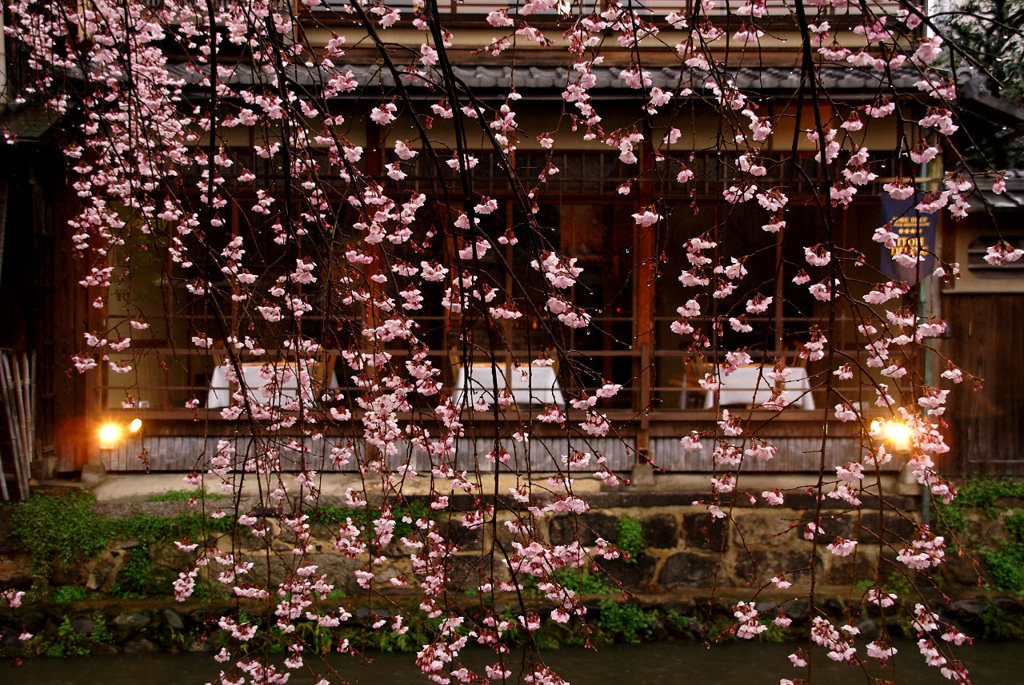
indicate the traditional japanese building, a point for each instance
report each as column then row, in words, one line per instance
column 587, row 193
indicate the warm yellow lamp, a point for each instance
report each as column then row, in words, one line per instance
column 897, row 433
column 110, row 435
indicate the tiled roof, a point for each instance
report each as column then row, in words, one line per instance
column 1011, row 198
column 550, row 78
column 27, row 123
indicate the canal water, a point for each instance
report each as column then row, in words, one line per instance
column 649, row 664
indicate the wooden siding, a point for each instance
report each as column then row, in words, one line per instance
column 177, row 445
column 795, row 454
column 191, row 452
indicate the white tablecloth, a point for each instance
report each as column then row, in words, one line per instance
column 252, row 372
column 527, row 385
column 751, row 386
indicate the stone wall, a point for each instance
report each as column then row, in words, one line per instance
column 689, row 565
column 684, row 547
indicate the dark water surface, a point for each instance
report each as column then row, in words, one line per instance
column 652, row 664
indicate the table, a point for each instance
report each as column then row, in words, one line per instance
column 220, row 392
column 750, row 386
column 528, row 385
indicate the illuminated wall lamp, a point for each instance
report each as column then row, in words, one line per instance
column 899, row 436
column 896, row 433
column 110, row 434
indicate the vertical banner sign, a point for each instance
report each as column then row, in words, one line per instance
column 915, row 235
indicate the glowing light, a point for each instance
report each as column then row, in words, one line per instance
column 896, row 433
column 110, row 434
column 135, row 426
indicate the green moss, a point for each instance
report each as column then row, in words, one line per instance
column 721, row 629
column 184, row 495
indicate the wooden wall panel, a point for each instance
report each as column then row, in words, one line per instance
column 987, row 425
column 179, row 453
column 798, row 447
column 794, row 454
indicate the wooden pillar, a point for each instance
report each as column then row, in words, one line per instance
column 779, row 310
column 643, row 329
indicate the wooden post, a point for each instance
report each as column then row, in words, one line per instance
column 643, row 329
column 645, row 264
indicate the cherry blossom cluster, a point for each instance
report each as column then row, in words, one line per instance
column 317, row 238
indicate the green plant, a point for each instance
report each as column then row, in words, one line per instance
column 978, row 492
column 898, row 584
column 627, row 622
column 774, row 633
column 68, row 593
column 176, row 641
column 209, row 590
column 680, row 622
column 1015, row 524
column 631, row 539
column 53, row 527
column 68, row 642
column 952, row 517
column 1006, row 563
column 721, row 628
column 576, row 637
column 549, row 637
column 1005, row 560
column 390, row 641
column 134, row 580
column 582, row 583
column 1006, row 566
column 100, row 633
column 1000, row 624
column 61, row 528
column 184, row 495
column 528, row 585
column 363, row 517
column 318, row 638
